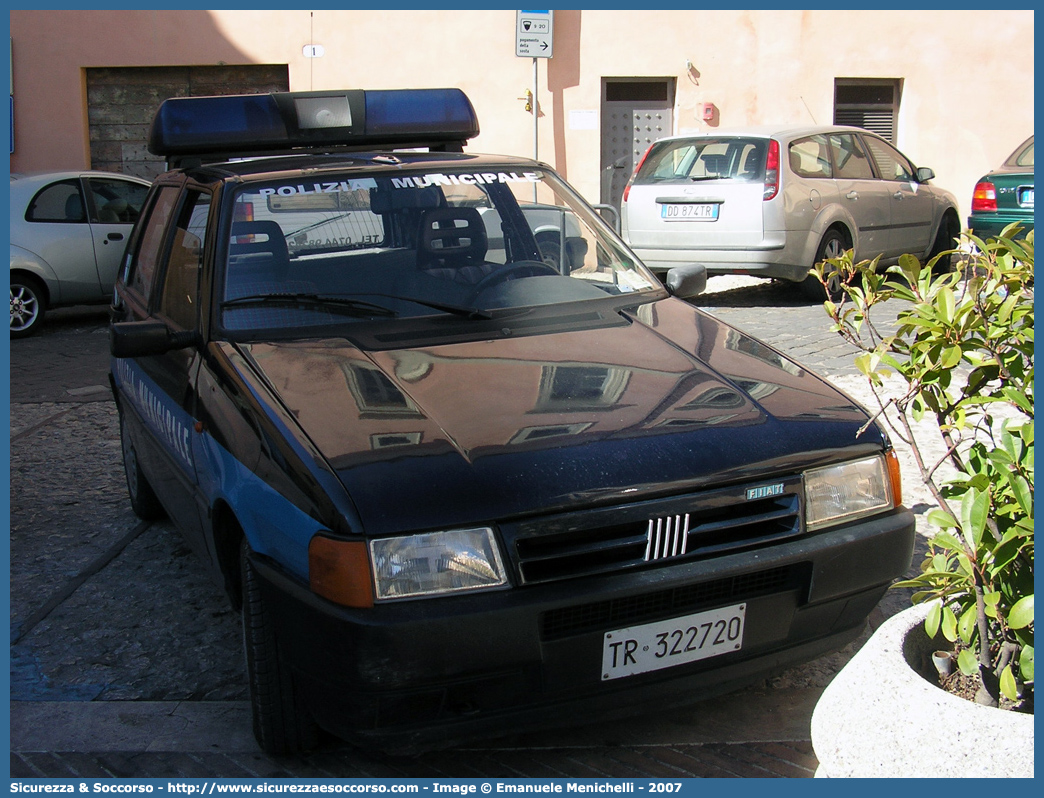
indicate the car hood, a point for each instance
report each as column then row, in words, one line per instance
column 663, row 399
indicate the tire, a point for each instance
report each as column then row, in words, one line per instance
column 142, row 497
column 832, row 246
column 28, row 305
column 282, row 725
column 944, row 240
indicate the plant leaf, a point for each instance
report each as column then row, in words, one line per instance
column 1021, row 614
column 931, row 621
column 1026, row 663
column 967, row 663
column 1007, row 684
column 974, row 509
column 949, row 624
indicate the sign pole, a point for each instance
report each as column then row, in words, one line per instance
column 536, row 113
column 534, row 36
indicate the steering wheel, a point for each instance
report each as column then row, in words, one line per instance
column 531, row 268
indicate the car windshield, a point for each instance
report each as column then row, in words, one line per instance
column 705, row 158
column 310, row 252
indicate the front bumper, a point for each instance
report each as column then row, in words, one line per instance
column 412, row 675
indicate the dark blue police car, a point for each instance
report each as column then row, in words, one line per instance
column 464, row 464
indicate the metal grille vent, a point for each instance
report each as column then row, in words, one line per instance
column 667, row 537
column 706, row 524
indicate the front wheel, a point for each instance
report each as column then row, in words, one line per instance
column 832, row 246
column 282, row 724
column 27, row 306
column 142, row 497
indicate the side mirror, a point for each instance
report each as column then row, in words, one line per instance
column 145, row 338
column 924, row 174
column 687, row 281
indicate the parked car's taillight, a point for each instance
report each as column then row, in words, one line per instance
column 984, row 198
column 772, row 170
column 634, row 174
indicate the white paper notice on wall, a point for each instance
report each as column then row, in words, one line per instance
column 583, row 120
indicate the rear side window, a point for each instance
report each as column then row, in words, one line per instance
column 694, row 160
column 58, row 202
column 1022, row 156
column 810, row 157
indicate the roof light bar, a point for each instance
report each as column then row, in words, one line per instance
column 243, row 124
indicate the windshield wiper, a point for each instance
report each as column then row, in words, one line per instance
column 458, row 310
column 445, row 307
column 345, row 303
column 338, row 304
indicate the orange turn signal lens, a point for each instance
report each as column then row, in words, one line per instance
column 894, row 476
column 339, row 570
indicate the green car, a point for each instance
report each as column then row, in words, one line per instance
column 1005, row 195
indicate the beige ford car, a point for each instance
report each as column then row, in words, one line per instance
column 772, row 202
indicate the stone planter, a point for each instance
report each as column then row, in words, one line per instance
column 880, row 717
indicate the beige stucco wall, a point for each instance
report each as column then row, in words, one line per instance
column 959, row 70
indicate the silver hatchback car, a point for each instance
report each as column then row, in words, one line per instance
column 68, row 233
column 772, row 202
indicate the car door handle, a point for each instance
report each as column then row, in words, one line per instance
column 852, row 195
column 898, row 195
column 113, row 237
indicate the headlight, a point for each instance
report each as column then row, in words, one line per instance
column 436, row 563
column 847, row 491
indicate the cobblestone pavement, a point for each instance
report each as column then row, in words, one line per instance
column 105, row 608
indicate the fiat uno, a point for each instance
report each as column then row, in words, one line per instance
column 460, row 481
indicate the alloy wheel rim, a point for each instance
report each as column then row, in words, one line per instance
column 24, row 308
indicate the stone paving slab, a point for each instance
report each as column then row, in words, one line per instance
column 713, row 760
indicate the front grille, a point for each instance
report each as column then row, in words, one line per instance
column 639, row 535
column 615, row 613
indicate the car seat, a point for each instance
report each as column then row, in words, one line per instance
column 74, row 209
column 259, row 262
column 452, row 245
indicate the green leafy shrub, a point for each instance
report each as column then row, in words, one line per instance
column 961, row 342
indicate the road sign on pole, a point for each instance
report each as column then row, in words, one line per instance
column 534, row 34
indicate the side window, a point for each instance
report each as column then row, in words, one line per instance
column 150, row 246
column 58, row 202
column 891, row 164
column 179, row 301
column 116, row 201
column 850, row 159
column 810, row 157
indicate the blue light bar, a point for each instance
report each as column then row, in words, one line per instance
column 243, row 124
